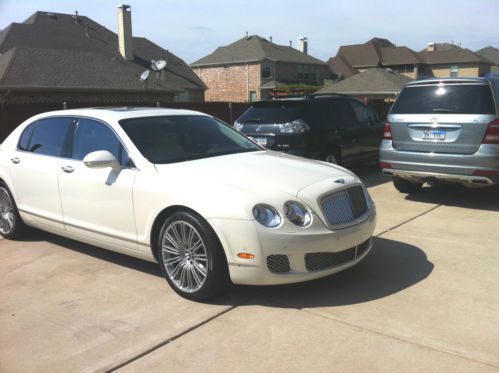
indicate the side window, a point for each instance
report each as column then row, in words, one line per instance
column 91, row 136
column 363, row 113
column 341, row 111
column 26, row 137
column 48, row 136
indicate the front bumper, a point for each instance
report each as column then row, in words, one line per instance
column 480, row 168
column 352, row 244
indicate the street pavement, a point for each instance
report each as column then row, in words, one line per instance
column 425, row 299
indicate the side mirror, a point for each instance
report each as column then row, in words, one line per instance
column 101, row 159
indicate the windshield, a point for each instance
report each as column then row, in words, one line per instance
column 272, row 112
column 177, row 138
column 445, row 99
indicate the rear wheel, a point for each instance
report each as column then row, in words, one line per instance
column 191, row 257
column 406, row 186
column 11, row 225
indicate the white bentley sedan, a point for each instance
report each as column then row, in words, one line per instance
column 187, row 191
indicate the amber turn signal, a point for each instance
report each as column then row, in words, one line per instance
column 245, row 256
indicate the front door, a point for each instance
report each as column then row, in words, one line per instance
column 98, row 203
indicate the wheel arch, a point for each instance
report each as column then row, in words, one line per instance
column 163, row 215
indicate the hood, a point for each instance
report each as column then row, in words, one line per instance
column 255, row 171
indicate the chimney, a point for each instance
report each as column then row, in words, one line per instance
column 303, row 44
column 125, row 31
column 430, row 47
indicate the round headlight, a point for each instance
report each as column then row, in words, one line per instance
column 266, row 215
column 297, row 214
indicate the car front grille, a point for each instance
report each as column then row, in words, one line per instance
column 326, row 260
column 345, row 206
column 278, row 263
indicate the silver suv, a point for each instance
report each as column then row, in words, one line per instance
column 443, row 129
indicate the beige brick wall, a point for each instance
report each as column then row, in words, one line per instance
column 464, row 70
column 231, row 83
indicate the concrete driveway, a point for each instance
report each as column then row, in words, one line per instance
column 426, row 298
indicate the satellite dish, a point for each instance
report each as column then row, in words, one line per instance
column 160, row 65
column 153, row 65
column 144, row 75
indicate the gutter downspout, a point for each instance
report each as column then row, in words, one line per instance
column 247, row 83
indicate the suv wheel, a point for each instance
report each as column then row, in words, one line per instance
column 406, row 186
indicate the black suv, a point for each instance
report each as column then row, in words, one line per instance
column 333, row 128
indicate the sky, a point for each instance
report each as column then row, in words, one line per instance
column 192, row 29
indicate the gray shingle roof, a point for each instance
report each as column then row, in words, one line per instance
column 341, row 67
column 51, row 50
column 255, row 49
column 448, row 53
column 490, row 53
column 373, row 81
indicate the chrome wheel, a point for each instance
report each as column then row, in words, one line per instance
column 6, row 212
column 184, row 256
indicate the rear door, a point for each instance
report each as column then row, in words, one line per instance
column 372, row 129
column 449, row 117
column 34, row 170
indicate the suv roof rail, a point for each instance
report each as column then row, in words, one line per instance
column 308, row 96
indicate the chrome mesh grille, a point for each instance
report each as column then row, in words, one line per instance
column 326, row 260
column 278, row 263
column 344, row 206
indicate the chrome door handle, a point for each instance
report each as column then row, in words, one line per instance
column 15, row 160
column 67, row 169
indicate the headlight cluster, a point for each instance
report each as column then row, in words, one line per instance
column 238, row 126
column 296, row 126
column 296, row 213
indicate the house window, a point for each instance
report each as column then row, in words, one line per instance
column 453, row 71
column 266, row 70
column 182, row 97
column 307, row 74
column 252, row 96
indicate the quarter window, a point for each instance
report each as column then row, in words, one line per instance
column 47, row 136
column 362, row 113
column 91, row 136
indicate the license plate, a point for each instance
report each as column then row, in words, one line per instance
column 438, row 135
column 262, row 141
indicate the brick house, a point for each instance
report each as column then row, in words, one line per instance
column 491, row 54
column 53, row 57
column 439, row 60
column 252, row 67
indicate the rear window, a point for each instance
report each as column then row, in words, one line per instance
column 272, row 112
column 446, row 99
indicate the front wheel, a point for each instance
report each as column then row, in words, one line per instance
column 406, row 186
column 191, row 256
column 11, row 225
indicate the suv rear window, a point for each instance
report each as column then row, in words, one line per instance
column 446, row 99
column 272, row 112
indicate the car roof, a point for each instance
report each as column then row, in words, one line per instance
column 118, row 113
column 448, row 80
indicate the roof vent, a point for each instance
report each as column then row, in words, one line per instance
column 51, row 15
column 75, row 17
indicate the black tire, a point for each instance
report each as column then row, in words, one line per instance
column 7, row 205
column 215, row 264
column 332, row 156
column 406, row 186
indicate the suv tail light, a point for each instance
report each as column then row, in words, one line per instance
column 296, row 126
column 388, row 131
column 492, row 134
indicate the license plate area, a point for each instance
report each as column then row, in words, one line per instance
column 262, row 141
column 434, row 135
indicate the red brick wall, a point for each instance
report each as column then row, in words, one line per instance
column 230, row 83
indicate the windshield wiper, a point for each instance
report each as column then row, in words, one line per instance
column 441, row 110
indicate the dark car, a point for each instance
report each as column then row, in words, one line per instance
column 332, row 128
